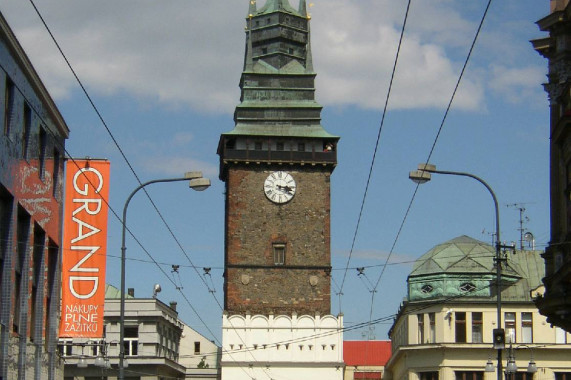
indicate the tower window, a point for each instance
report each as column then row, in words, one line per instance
column 279, row 254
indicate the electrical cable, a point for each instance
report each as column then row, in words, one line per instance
column 433, row 145
column 376, row 146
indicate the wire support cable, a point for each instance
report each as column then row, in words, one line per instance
column 449, row 106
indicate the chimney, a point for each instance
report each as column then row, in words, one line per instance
column 131, row 292
column 173, row 305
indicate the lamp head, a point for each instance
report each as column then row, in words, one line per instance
column 422, row 175
column 489, row 366
column 199, row 184
column 419, row 176
column 156, row 289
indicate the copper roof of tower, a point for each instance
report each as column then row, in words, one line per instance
column 278, row 80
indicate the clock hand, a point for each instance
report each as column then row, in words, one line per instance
column 286, row 189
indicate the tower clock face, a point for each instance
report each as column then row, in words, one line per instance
column 279, row 187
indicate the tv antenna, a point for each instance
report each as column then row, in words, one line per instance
column 524, row 235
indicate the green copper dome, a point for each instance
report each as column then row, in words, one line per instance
column 466, row 267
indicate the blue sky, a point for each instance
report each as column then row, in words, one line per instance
column 164, row 76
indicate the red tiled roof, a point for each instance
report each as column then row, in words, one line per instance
column 366, row 352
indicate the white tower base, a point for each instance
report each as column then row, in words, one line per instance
column 282, row 347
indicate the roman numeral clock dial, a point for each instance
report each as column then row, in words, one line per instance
column 279, row 187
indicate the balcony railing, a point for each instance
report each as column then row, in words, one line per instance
column 328, row 157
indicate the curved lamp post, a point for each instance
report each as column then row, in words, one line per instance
column 423, row 175
column 196, row 182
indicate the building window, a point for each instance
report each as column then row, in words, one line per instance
column 55, row 173
column 432, row 320
column 467, row 287
column 460, row 327
column 5, row 219
column 257, row 145
column 96, row 347
column 279, row 254
column 477, row 327
column 26, row 131
column 509, row 320
column 51, row 292
column 301, row 147
column 420, row 318
column 562, row 375
column 131, row 341
column 560, row 336
column 526, row 327
column 42, row 144
column 196, row 348
column 37, row 278
column 428, row 375
column 426, row 289
column 469, row 375
column 519, row 376
column 9, row 98
column 22, row 233
column 280, row 145
column 65, row 347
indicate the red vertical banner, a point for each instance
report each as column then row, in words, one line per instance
column 84, row 248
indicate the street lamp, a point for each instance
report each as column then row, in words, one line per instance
column 196, row 182
column 423, row 175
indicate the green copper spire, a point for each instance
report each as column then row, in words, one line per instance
column 277, row 6
column 278, row 111
column 303, row 8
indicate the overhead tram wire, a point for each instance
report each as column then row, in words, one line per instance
column 62, row 147
column 432, row 148
column 92, row 103
column 99, row 115
column 376, row 146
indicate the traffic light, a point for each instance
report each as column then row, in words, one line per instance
column 499, row 339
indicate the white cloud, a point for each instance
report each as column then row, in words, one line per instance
column 516, row 84
column 175, row 165
column 187, row 53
